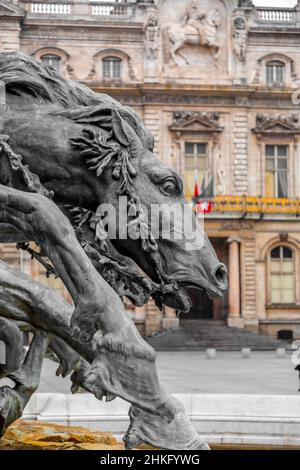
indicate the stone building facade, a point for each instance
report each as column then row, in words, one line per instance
column 216, row 81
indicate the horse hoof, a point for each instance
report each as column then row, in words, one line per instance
column 110, row 397
column 131, row 441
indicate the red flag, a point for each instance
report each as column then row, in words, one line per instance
column 204, row 207
column 196, row 187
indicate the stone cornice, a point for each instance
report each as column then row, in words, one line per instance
column 8, row 10
column 82, row 22
column 240, row 96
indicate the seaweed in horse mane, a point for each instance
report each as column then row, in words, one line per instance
column 31, row 180
column 99, row 152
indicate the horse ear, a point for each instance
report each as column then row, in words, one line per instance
column 125, row 134
column 121, row 128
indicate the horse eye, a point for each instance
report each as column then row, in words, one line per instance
column 169, row 187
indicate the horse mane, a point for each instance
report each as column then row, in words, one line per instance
column 29, row 78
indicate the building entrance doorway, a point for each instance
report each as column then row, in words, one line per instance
column 203, row 307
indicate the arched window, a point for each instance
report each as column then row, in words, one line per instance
column 275, row 73
column 52, row 60
column 282, row 275
column 112, row 68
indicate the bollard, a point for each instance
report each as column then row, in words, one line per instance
column 210, row 353
column 280, row 352
column 246, row 353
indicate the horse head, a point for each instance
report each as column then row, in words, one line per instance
column 96, row 152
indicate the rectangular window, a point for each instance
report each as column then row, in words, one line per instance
column 275, row 73
column 276, row 180
column 112, row 68
column 196, row 162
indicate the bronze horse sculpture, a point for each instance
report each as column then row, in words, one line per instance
column 64, row 151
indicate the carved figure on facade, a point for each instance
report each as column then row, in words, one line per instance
column 240, row 37
column 198, row 28
column 265, row 122
column 151, row 37
column 246, row 4
column 181, row 118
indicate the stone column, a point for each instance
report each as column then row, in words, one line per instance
column 170, row 318
column 234, row 299
column 153, row 320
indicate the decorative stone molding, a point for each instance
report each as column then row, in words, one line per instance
column 240, row 141
column 240, row 37
column 291, row 75
column 197, row 28
column 291, row 243
column 248, row 4
column 196, row 122
column 112, row 52
column 151, row 30
column 7, row 9
column 249, row 279
column 277, row 124
column 65, row 67
column 206, row 126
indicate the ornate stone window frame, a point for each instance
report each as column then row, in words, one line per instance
column 112, row 62
column 127, row 71
column 64, row 67
column 279, row 130
column 196, row 127
column 290, row 69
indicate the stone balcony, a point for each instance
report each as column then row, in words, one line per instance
column 256, row 206
column 273, row 16
column 67, row 8
column 127, row 9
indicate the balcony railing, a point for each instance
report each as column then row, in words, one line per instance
column 110, row 9
column 50, row 8
column 253, row 205
column 276, row 15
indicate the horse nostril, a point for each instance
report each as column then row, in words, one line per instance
column 221, row 274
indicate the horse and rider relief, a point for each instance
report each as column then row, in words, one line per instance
column 197, row 31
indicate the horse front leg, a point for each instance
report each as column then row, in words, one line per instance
column 122, row 363
column 12, row 337
column 176, row 51
column 97, row 306
column 14, row 400
column 217, row 49
column 69, row 360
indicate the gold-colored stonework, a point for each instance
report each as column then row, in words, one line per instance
column 35, row 435
column 251, row 204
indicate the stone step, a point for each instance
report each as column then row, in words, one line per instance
column 197, row 335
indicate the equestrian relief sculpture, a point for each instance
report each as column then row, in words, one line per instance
column 198, row 28
column 65, row 151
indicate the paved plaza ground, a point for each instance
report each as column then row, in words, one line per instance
column 191, row 372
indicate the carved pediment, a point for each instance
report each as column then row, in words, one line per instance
column 9, row 10
column 184, row 121
column 277, row 124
